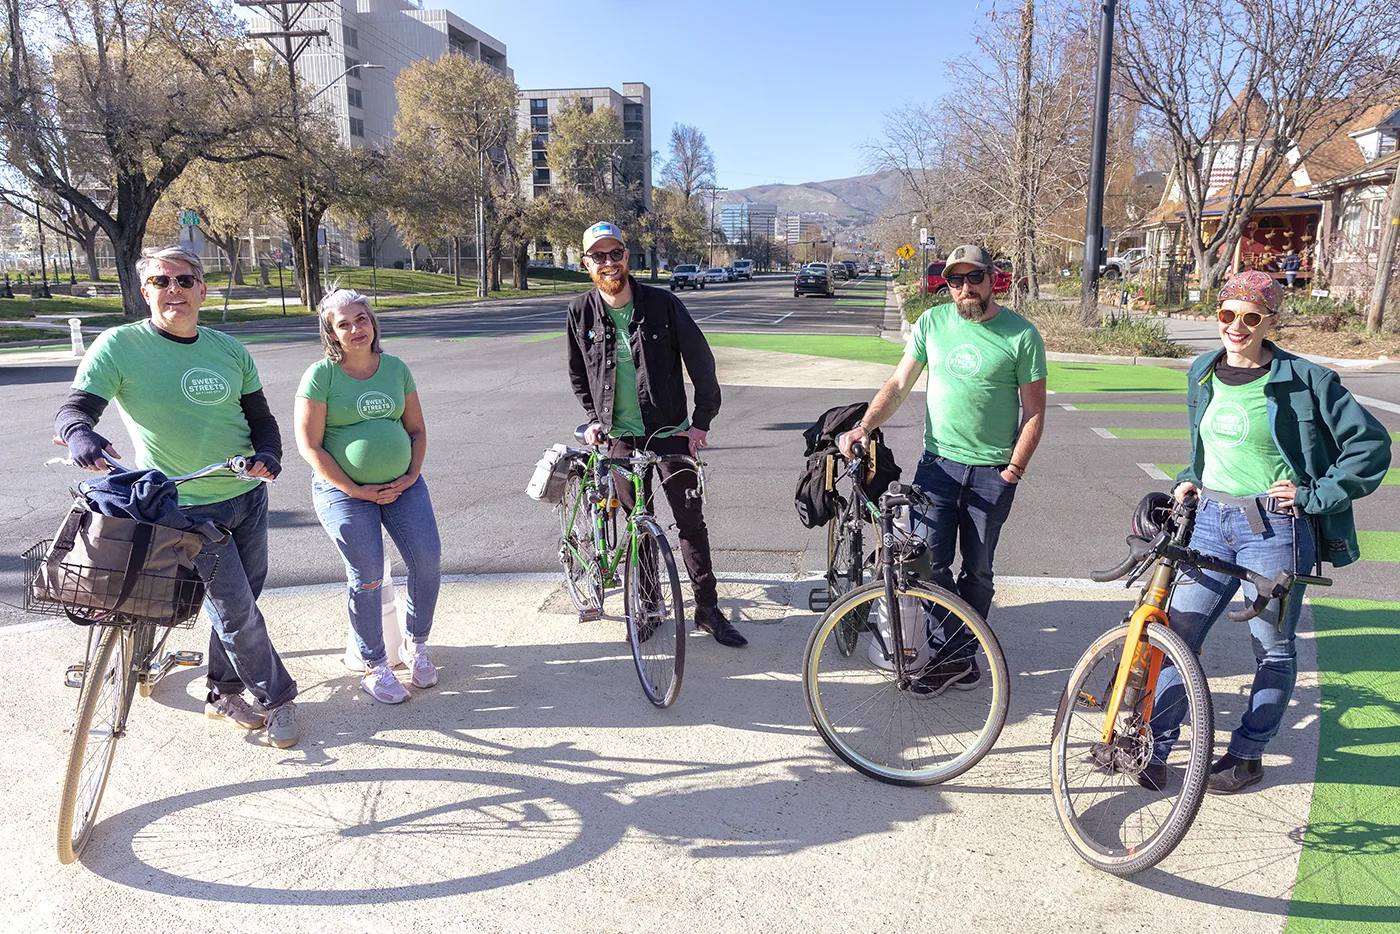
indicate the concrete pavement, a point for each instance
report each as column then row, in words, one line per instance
column 535, row 789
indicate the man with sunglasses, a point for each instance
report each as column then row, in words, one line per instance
column 633, row 392
column 191, row 397
column 984, row 416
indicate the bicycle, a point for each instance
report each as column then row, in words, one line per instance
column 125, row 656
column 887, row 711
column 593, row 553
column 847, row 565
column 1116, row 819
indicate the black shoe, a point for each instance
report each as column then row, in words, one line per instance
column 1231, row 774
column 1153, row 776
column 969, row 681
column 942, row 677
column 710, row 619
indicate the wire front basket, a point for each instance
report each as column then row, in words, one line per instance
column 90, row 595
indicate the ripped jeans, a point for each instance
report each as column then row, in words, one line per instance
column 355, row 527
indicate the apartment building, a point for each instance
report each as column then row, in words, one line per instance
column 744, row 221
column 633, row 105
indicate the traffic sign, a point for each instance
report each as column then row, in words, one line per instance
column 923, row 235
column 192, row 239
column 905, row 252
column 189, row 218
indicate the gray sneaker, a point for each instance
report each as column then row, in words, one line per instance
column 282, row 729
column 234, row 708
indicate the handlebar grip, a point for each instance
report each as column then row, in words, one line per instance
column 858, row 451
column 1105, row 576
column 1261, row 602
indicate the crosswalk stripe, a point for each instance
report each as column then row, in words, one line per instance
column 1152, row 471
column 1104, row 433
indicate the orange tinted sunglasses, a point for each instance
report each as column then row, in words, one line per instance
column 1251, row 319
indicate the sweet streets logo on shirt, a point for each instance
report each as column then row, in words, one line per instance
column 375, row 405
column 963, row 361
column 1229, row 424
column 204, row 387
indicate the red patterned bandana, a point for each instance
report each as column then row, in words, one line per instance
column 1253, row 286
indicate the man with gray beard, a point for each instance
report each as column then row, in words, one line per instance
column 984, row 417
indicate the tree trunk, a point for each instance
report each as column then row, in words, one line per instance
column 1023, row 259
column 413, row 257
column 522, row 265
column 89, row 244
column 127, row 251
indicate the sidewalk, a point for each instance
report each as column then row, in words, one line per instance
column 535, row 789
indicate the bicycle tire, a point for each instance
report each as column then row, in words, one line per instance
column 845, row 571
column 106, row 692
column 889, row 731
column 578, row 551
column 656, row 628
column 1118, row 825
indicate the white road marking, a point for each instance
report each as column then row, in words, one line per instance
column 1306, row 722
column 1067, row 407
column 1104, row 433
column 783, row 318
column 1377, row 403
column 1152, row 471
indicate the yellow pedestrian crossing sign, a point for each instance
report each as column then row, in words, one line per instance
column 905, row 252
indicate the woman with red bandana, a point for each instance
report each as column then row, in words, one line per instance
column 1279, row 450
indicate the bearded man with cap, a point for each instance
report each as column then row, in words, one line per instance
column 984, row 417
column 630, row 347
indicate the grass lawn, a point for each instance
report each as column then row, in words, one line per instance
column 61, row 305
column 10, row 335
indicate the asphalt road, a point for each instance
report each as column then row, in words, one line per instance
column 494, row 390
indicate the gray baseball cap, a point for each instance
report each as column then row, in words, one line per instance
column 970, row 254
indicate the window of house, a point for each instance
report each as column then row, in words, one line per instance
column 352, row 38
column 1271, row 223
column 351, row 62
column 541, row 191
column 542, row 176
column 540, row 158
column 357, row 126
column 354, row 97
column 539, row 105
column 539, row 123
column 541, row 141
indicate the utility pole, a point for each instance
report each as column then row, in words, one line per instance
column 1385, row 262
column 714, row 191
column 1098, row 157
column 289, row 42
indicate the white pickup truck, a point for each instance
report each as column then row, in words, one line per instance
column 1128, row 264
column 743, row 269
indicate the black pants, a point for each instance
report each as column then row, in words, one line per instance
column 676, row 480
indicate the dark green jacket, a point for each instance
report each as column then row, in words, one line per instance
column 1336, row 449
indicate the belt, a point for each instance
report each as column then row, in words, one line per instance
column 1254, row 507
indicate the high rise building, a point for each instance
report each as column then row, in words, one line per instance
column 538, row 106
column 746, row 220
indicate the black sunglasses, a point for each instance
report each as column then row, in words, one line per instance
column 956, row 279
column 185, row 281
column 603, row 257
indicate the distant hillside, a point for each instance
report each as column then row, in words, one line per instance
column 860, row 198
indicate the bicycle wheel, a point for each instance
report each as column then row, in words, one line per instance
column 105, row 698
column 929, row 725
column 655, row 614
column 845, row 571
column 1112, row 821
column 578, row 551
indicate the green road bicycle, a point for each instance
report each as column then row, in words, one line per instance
column 598, row 544
column 904, row 681
column 125, row 656
column 1116, row 814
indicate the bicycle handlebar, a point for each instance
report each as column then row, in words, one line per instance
column 237, row 465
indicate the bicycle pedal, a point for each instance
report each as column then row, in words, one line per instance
column 590, row 616
column 188, row 659
column 819, row 600
column 73, row 677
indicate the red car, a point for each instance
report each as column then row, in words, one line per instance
column 933, row 282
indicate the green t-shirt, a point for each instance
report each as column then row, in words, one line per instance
column 975, row 371
column 363, row 429
column 627, row 406
column 1241, row 456
column 180, row 402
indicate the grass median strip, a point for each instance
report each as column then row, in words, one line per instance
column 1349, row 870
column 1150, row 434
column 1128, row 406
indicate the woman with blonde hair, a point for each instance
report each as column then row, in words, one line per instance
column 360, row 427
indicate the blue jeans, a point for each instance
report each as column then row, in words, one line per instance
column 1201, row 597
column 355, row 527
column 968, row 506
column 240, row 652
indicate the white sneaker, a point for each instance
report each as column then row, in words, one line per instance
column 415, row 656
column 383, row 686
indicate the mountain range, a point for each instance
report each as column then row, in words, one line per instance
column 860, row 198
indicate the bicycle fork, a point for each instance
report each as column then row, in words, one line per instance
column 1136, row 679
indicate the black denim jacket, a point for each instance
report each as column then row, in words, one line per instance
column 662, row 337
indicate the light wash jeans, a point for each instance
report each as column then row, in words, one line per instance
column 1201, row 598
column 355, row 527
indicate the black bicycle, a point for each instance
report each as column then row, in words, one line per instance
column 904, row 681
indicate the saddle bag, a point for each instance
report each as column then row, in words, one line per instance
column 551, row 475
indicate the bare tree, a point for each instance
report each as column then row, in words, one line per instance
column 691, row 166
column 1245, row 91
column 144, row 88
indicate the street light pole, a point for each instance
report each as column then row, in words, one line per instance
column 1098, row 156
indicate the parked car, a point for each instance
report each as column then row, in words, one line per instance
column 1121, row 267
column 743, row 269
column 686, row 274
column 814, row 279
column 730, row 275
column 1001, row 276
column 715, row 274
column 933, row 282
column 862, row 269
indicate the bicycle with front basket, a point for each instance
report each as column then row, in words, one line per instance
column 904, row 680
column 598, row 544
column 125, row 656
column 1116, row 818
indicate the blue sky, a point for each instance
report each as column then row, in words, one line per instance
column 784, row 91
